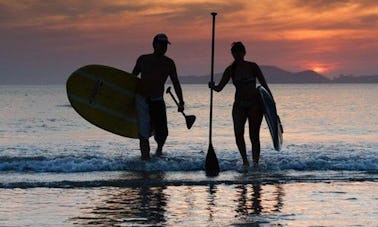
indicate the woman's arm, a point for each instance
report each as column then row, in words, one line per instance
column 261, row 77
column 225, row 78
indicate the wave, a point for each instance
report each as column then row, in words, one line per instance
column 83, row 166
column 273, row 161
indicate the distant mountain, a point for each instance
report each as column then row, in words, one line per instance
column 272, row 74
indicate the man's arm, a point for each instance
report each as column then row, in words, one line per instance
column 177, row 86
column 137, row 68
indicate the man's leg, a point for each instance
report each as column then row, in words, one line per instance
column 144, row 126
column 144, row 145
column 159, row 123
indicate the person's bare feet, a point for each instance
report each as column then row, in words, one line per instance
column 245, row 162
column 159, row 151
column 144, row 149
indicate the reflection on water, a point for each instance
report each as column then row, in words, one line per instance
column 255, row 200
column 145, row 203
column 181, row 205
column 134, row 205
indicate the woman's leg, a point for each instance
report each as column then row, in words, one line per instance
column 239, row 118
column 255, row 116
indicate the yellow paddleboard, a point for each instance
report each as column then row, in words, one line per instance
column 105, row 97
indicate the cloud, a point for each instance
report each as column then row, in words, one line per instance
column 284, row 33
column 321, row 5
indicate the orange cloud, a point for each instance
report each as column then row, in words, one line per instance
column 283, row 33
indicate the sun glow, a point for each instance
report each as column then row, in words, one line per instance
column 319, row 69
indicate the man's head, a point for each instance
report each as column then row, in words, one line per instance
column 160, row 43
column 161, row 37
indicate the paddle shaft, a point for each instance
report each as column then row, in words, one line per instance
column 174, row 99
column 211, row 162
column 212, row 78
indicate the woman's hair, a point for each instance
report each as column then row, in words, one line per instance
column 238, row 47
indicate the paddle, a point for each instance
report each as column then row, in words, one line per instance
column 211, row 165
column 188, row 118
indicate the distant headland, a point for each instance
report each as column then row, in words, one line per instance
column 274, row 74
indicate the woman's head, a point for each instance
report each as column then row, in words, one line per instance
column 238, row 47
column 238, row 50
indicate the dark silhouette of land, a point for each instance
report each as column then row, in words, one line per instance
column 274, row 74
column 354, row 79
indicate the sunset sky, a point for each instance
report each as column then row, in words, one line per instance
column 43, row 41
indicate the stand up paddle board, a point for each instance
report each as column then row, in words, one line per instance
column 271, row 117
column 105, row 97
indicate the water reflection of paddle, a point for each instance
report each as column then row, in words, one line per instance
column 190, row 119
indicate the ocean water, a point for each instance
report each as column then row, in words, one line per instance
column 56, row 169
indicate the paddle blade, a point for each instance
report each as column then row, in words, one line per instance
column 211, row 165
column 190, row 121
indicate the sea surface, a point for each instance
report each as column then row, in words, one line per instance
column 56, row 169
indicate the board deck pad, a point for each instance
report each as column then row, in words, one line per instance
column 105, row 96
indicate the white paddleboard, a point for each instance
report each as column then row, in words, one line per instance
column 271, row 117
